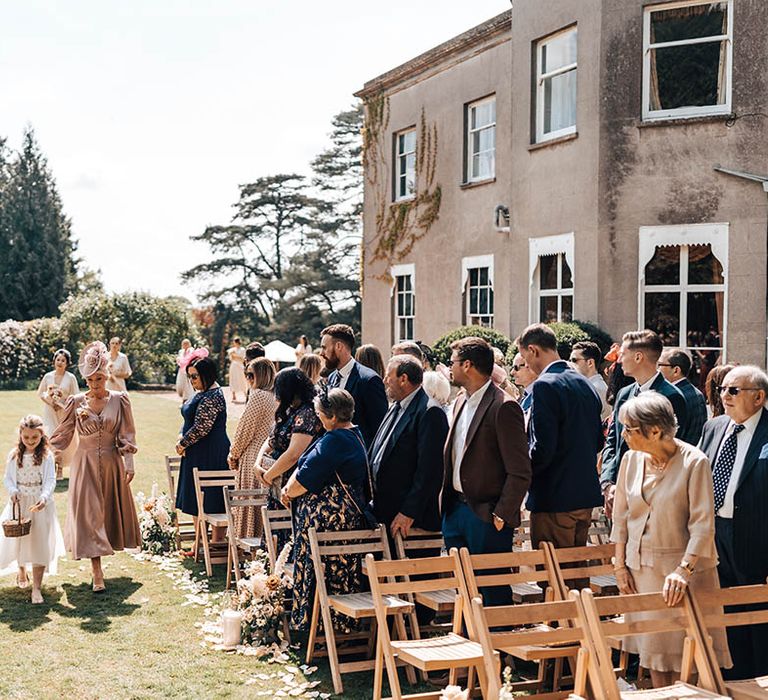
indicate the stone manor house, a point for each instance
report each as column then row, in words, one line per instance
column 601, row 160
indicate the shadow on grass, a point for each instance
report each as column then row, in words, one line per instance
column 20, row 615
column 62, row 486
column 97, row 610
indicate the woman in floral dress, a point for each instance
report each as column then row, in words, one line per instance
column 296, row 426
column 54, row 390
column 253, row 429
column 327, row 492
column 203, row 442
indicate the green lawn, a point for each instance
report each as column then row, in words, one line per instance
column 137, row 640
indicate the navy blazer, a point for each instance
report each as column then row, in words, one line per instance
column 696, row 407
column 750, row 502
column 411, row 468
column 371, row 404
column 565, row 434
column 615, row 447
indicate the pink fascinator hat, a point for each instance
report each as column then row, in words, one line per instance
column 93, row 358
column 440, row 368
column 196, row 354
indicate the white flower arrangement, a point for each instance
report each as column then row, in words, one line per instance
column 261, row 598
column 157, row 522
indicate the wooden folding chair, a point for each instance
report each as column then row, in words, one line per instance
column 682, row 618
column 449, row 651
column 528, row 626
column 234, row 499
column 600, row 529
column 214, row 552
column 525, row 572
column 185, row 525
column 275, row 521
column 709, row 606
column 358, row 606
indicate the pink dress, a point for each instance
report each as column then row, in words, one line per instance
column 101, row 515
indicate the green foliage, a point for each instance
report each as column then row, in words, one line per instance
column 37, row 262
column 442, row 346
column 570, row 333
column 152, row 329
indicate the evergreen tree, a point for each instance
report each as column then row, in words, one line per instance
column 38, row 262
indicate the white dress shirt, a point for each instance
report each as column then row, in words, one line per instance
column 345, row 371
column 602, row 389
column 391, row 429
column 463, row 421
column 647, row 385
column 742, row 445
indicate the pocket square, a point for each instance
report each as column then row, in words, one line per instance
column 764, row 452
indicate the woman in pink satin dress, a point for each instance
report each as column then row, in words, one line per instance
column 101, row 515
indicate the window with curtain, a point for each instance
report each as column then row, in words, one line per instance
column 555, row 289
column 481, row 140
column 405, row 308
column 479, row 297
column 405, row 164
column 687, row 62
column 684, row 301
column 556, row 85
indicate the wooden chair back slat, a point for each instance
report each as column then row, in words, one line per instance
column 274, row 521
column 172, row 467
column 417, row 540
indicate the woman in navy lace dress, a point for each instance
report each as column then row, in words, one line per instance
column 203, row 442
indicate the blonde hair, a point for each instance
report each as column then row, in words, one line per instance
column 264, row 373
column 437, row 387
column 311, row 365
column 31, row 422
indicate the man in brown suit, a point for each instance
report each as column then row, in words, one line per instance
column 487, row 468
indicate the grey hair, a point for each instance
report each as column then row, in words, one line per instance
column 339, row 405
column 650, row 410
column 437, row 387
column 754, row 375
column 409, row 366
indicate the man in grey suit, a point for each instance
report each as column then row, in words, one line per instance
column 737, row 447
column 675, row 365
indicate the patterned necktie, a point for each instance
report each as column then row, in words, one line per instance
column 334, row 380
column 721, row 474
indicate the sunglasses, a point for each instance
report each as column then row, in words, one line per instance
column 249, row 375
column 736, row 390
column 193, row 376
column 517, row 368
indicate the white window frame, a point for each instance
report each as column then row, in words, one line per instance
column 652, row 237
column 471, row 263
column 561, row 244
column 405, row 270
column 540, row 80
column 402, row 156
column 470, row 177
column 685, row 112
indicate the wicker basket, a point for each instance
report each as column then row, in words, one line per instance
column 18, row 527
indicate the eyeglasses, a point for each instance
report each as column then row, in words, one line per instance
column 736, row 390
column 517, row 368
column 249, row 375
column 630, row 429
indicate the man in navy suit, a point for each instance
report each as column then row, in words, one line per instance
column 639, row 353
column 367, row 389
column 406, row 456
column 675, row 365
column 737, row 447
column 565, row 433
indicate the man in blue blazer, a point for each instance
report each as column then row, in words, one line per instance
column 639, row 354
column 737, row 447
column 367, row 389
column 406, row 456
column 675, row 365
column 565, row 433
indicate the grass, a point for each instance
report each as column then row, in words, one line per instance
column 136, row 641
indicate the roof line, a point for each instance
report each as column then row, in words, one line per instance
column 477, row 35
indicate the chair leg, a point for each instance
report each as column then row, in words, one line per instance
column 410, row 673
column 196, row 546
column 206, row 548
column 557, row 674
column 378, row 670
column 237, row 564
column 311, row 641
column 392, row 677
column 333, row 655
column 229, row 567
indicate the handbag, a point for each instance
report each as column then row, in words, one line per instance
column 365, row 509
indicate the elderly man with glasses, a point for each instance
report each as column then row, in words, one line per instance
column 737, row 447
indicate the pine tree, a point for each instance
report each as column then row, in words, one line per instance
column 39, row 262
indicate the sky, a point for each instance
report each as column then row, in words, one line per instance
column 152, row 112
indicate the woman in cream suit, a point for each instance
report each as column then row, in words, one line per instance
column 663, row 527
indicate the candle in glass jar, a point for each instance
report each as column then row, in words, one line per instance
column 231, row 622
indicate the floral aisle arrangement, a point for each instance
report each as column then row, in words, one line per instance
column 261, row 599
column 157, row 522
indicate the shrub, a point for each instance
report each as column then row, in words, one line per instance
column 570, row 333
column 442, row 346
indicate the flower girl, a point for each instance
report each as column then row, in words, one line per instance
column 30, row 477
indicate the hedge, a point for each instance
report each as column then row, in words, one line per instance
column 442, row 346
column 570, row 333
